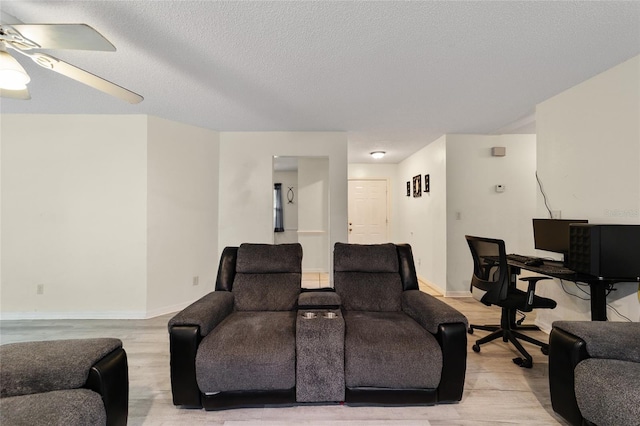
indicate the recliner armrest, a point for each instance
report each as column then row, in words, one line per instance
column 566, row 351
column 603, row 339
column 110, row 378
column 205, row 313
column 430, row 312
column 35, row 367
column 319, row 299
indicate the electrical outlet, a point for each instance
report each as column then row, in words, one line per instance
column 40, row 289
column 196, row 280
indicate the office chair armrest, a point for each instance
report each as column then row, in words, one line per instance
column 531, row 290
column 430, row 312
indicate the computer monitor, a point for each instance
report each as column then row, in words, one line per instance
column 553, row 235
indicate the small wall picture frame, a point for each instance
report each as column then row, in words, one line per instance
column 417, row 186
column 408, row 189
column 427, row 184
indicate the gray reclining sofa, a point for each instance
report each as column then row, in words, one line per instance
column 594, row 372
column 257, row 339
column 401, row 345
column 236, row 346
column 82, row 382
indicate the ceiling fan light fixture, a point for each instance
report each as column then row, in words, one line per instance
column 12, row 75
column 378, row 154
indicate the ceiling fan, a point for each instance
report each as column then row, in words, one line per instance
column 27, row 39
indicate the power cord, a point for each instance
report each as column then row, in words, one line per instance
column 571, row 294
column 609, row 290
column 544, row 196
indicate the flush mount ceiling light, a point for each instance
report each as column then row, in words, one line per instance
column 12, row 75
column 378, row 154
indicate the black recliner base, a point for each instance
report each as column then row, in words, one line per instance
column 245, row 399
column 383, row 396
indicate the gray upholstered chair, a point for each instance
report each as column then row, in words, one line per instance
column 594, row 372
column 401, row 345
column 80, row 382
column 236, row 346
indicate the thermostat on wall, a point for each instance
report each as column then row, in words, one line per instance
column 500, row 188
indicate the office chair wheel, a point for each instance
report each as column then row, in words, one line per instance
column 545, row 350
column 476, row 348
column 524, row 363
column 470, row 330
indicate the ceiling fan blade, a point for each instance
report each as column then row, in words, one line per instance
column 15, row 94
column 92, row 80
column 64, row 36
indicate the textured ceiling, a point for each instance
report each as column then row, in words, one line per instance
column 395, row 75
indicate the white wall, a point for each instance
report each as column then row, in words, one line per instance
column 422, row 221
column 182, row 214
column 245, row 197
column 313, row 213
column 589, row 163
column 73, row 215
column 472, row 173
column 113, row 215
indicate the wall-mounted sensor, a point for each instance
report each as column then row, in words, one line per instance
column 500, row 188
column 499, row 151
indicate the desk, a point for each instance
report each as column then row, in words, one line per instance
column 599, row 286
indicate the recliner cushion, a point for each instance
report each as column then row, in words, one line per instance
column 268, row 277
column 390, row 350
column 367, row 277
column 269, row 258
column 607, row 391
column 365, row 258
column 364, row 291
column 74, row 407
column 266, row 292
column 248, row 351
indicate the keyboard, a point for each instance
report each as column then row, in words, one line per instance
column 550, row 266
column 523, row 259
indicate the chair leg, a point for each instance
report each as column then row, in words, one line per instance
column 527, row 362
column 493, row 336
column 543, row 346
column 483, row 327
column 510, row 332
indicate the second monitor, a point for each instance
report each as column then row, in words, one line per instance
column 553, row 235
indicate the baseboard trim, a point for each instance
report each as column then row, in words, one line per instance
column 431, row 285
column 12, row 316
column 152, row 313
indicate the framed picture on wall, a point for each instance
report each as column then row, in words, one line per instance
column 427, row 186
column 408, row 189
column 417, row 186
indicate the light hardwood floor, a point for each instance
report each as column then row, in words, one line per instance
column 496, row 390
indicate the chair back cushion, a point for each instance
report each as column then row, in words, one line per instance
column 367, row 277
column 268, row 277
column 490, row 279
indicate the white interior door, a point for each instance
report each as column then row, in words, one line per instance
column 368, row 212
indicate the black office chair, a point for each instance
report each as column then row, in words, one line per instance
column 491, row 285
